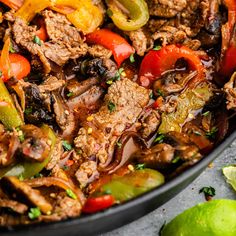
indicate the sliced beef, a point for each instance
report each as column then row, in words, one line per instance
column 13, row 205
column 87, row 173
column 22, row 191
column 122, row 106
column 149, row 123
column 99, row 51
column 166, row 8
column 141, row 41
column 64, row 42
column 230, row 91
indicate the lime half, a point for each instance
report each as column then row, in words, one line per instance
column 230, row 174
column 213, row 218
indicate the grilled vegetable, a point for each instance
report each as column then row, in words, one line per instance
column 137, row 14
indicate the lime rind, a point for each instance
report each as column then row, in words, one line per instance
column 230, row 174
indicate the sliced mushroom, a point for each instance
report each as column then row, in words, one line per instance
column 36, row 146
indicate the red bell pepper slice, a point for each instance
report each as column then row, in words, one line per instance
column 155, row 63
column 42, row 31
column 120, row 48
column 228, row 64
column 95, row 204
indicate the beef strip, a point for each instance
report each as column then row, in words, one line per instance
column 230, row 91
column 13, row 205
column 24, row 192
column 122, row 106
column 166, row 8
column 64, row 42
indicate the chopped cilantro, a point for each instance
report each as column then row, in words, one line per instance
column 157, row 48
column 176, row 159
column 39, row 175
column 212, row 133
column 197, row 133
column 28, row 110
column 70, row 94
column 111, row 106
column 116, row 77
column 71, row 194
column 65, row 167
column 208, row 191
column 206, row 113
column 140, row 166
column 79, row 151
column 109, row 12
column 151, row 95
column 131, row 58
column 11, row 49
column 34, row 213
column 159, row 138
column 20, row 177
column 22, row 137
column 67, row 146
column 37, row 40
column 119, row 144
column 160, row 93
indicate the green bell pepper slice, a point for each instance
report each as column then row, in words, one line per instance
column 137, row 11
column 189, row 102
column 133, row 184
column 8, row 113
column 27, row 169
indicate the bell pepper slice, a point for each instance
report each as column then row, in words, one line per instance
column 124, row 188
column 138, row 14
column 28, row 169
column 8, row 113
column 13, row 4
column 30, row 8
column 120, row 48
column 155, row 63
column 189, row 102
column 228, row 64
column 95, row 204
column 86, row 16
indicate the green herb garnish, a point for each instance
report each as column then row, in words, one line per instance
column 157, row 48
column 37, row 40
column 28, row 111
column 34, row 213
column 208, row 191
column 140, row 166
column 70, row 94
column 159, row 138
column 131, row 58
column 160, row 93
column 176, row 159
column 11, row 49
column 67, row 146
column 206, row 113
column 197, row 133
column 212, row 133
column 111, row 106
column 71, row 194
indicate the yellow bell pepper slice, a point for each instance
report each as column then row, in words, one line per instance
column 82, row 14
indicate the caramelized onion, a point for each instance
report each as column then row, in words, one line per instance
column 59, row 182
column 119, row 157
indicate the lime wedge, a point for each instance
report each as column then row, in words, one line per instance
column 230, row 174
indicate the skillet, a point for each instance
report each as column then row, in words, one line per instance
column 120, row 215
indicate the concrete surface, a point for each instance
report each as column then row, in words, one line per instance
column 150, row 224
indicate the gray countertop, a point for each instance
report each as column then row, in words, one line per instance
column 150, row 224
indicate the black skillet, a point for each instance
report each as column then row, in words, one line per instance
column 118, row 216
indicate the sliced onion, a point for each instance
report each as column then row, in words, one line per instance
column 59, row 182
